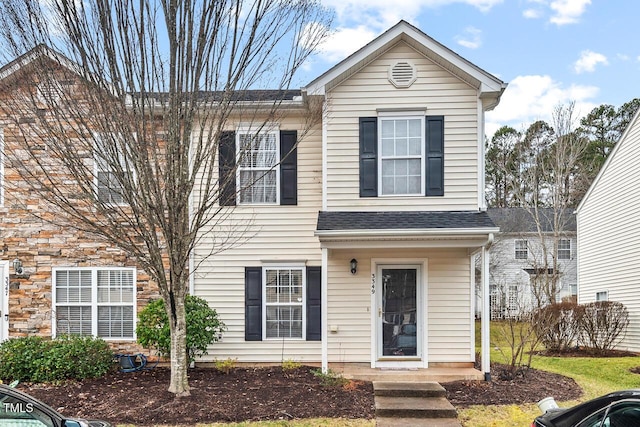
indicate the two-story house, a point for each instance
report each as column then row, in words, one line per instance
column 533, row 256
column 358, row 235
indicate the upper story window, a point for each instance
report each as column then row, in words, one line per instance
column 521, row 249
column 401, row 155
column 109, row 162
column 258, row 167
column 95, row 301
column 564, row 249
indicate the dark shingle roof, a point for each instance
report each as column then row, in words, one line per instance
column 344, row 220
column 521, row 220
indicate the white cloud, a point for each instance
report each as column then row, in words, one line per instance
column 568, row 11
column 345, row 41
column 471, row 39
column 588, row 61
column 623, row 57
column 534, row 97
column 532, row 13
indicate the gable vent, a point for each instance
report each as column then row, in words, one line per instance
column 402, row 74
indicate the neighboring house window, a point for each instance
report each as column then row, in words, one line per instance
column 95, row 301
column 283, row 302
column 258, row 167
column 564, row 249
column 522, row 252
column 602, row 296
column 401, row 155
column 573, row 288
column 107, row 156
column 513, row 298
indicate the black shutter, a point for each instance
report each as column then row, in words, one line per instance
column 288, row 168
column 368, row 156
column 314, row 304
column 253, row 304
column 435, row 155
column 227, row 168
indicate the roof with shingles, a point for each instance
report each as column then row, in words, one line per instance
column 522, row 220
column 345, row 220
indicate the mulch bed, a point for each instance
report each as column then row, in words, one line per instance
column 243, row 394
column 528, row 386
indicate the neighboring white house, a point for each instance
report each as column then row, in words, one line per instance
column 371, row 258
column 609, row 233
column 525, row 253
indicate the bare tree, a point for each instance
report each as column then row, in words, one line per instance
column 119, row 108
column 555, row 174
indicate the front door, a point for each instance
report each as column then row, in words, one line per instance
column 399, row 326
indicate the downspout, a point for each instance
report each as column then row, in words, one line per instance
column 485, row 320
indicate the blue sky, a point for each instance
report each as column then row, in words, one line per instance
column 550, row 52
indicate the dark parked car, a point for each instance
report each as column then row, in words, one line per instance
column 617, row 409
column 18, row 409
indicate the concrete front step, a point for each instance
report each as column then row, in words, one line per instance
column 414, row 407
column 414, row 389
column 417, row 422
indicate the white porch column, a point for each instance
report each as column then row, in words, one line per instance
column 324, row 310
column 486, row 314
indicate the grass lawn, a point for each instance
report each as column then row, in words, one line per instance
column 323, row 422
column 596, row 376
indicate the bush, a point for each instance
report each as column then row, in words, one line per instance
column 558, row 325
column 603, row 324
column 67, row 357
column 203, row 327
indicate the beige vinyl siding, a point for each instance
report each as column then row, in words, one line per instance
column 272, row 233
column 436, row 91
column 609, row 232
column 448, row 303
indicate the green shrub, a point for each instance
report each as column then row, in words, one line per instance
column 225, row 365
column 330, row 378
column 66, row 357
column 203, row 327
column 290, row 365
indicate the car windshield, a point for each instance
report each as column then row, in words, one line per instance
column 15, row 412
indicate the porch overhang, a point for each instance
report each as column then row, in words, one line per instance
column 436, row 229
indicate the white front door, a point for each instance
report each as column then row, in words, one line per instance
column 399, row 325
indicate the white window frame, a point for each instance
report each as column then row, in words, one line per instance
column 566, row 252
column 601, row 294
column 303, row 304
column 94, row 304
column 98, row 168
column 269, row 129
column 390, row 116
column 520, row 249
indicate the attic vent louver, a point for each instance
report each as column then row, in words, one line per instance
column 402, row 74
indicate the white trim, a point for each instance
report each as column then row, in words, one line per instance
column 422, row 335
column 474, row 299
column 94, row 299
column 486, row 314
column 482, row 203
column 303, row 272
column 479, row 232
column 324, row 161
column 324, row 311
column 609, row 160
column 4, row 299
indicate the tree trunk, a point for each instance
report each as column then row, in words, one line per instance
column 179, row 384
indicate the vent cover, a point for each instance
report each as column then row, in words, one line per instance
column 402, row 74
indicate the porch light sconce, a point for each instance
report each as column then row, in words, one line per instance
column 17, row 266
column 354, row 266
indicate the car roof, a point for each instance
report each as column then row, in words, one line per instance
column 568, row 417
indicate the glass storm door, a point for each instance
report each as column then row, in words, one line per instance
column 398, row 312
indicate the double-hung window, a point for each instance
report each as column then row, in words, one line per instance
column 284, row 289
column 521, row 249
column 564, row 249
column 258, row 166
column 109, row 164
column 95, row 301
column 402, row 157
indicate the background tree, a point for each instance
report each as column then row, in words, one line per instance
column 120, row 135
column 502, row 167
